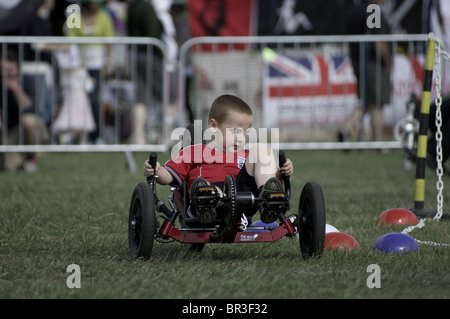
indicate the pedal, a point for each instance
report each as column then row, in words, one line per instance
column 274, row 195
column 206, row 188
column 274, row 205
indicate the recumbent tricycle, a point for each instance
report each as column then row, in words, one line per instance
column 147, row 210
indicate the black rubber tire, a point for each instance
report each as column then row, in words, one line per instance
column 142, row 222
column 311, row 220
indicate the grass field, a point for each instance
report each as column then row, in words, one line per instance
column 74, row 210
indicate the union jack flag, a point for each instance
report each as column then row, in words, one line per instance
column 309, row 87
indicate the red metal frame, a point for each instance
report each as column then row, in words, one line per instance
column 169, row 230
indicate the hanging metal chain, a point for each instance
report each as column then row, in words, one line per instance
column 439, row 53
column 438, row 101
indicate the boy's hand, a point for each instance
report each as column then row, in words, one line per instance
column 148, row 169
column 288, row 168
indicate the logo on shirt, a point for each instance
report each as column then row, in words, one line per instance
column 240, row 161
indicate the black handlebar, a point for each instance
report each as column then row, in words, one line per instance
column 282, row 160
column 152, row 161
column 287, row 182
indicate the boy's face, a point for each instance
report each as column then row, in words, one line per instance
column 231, row 133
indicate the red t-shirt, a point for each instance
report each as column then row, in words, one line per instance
column 205, row 161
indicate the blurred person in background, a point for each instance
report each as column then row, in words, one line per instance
column 21, row 126
column 36, row 68
column 95, row 22
column 74, row 118
column 144, row 22
column 117, row 9
column 374, row 88
column 15, row 13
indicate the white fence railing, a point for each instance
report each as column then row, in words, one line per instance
column 60, row 94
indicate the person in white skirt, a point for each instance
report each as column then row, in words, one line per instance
column 74, row 120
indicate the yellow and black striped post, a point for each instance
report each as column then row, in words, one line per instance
column 419, row 198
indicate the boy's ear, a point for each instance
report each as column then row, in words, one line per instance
column 213, row 125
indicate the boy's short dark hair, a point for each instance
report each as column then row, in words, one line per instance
column 224, row 103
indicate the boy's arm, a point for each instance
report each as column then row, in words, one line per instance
column 164, row 177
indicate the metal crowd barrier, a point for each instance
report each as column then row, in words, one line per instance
column 305, row 86
column 49, row 85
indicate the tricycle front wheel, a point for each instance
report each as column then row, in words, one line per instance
column 311, row 220
column 142, row 222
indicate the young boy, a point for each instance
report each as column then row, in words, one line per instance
column 255, row 170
